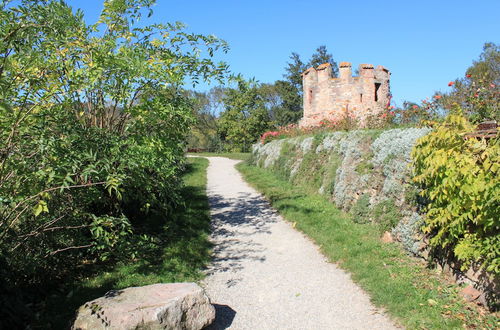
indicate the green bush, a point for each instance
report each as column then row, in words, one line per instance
column 360, row 211
column 386, row 215
column 461, row 185
column 93, row 124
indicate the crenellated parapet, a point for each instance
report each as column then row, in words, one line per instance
column 358, row 97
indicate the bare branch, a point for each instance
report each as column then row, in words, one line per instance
column 69, row 248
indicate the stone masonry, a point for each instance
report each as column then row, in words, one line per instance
column 327, row 98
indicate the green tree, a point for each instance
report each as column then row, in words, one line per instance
column 245, row 117
column 93, row 124
column 293, row 71
column 206, row 107
column 322, row 56
column 286, row 107
column 289, row 91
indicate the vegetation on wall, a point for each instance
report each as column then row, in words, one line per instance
column 364, row 172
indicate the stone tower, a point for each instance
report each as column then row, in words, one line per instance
column 335, row 98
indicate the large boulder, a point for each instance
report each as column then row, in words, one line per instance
column 157, row 306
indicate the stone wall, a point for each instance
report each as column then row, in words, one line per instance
column 349, row 166
column 336, row 98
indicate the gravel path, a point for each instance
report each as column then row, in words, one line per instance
column 266, row 275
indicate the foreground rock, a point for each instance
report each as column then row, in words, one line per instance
column 157, row 306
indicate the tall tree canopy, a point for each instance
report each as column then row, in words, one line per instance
column 294, row 69
column 206, row 108
column 288, row 108
column 245, row 116
column 321, row 56
column 290, row 89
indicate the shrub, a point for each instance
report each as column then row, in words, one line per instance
column 360, row 211
column 460, row 182
column 386, row 215
column 92, row 132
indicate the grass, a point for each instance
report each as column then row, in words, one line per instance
column 415, row 296
column 231, row 155
column 181, row 250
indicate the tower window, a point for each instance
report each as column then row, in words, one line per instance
column 377, row 87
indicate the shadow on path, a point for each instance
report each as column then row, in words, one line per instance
column 234, row 222
column 224, row 316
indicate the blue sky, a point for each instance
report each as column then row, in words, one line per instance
column 424, row 44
